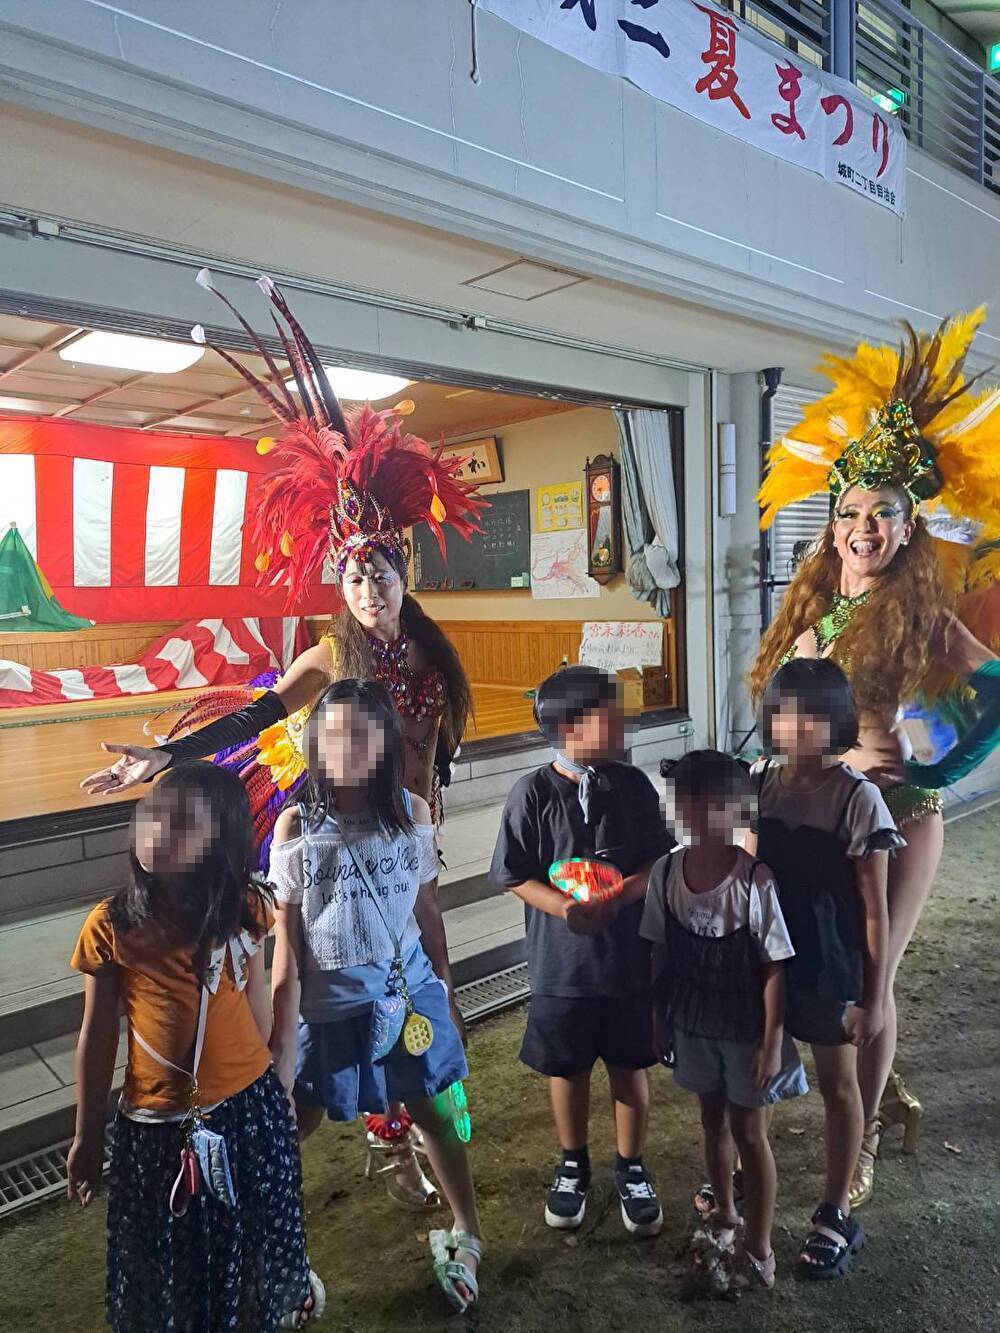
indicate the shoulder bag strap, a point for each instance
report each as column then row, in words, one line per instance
column 199, row 1043
column 362, row 870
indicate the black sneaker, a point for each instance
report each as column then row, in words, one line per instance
column 641, row 1211
column 567, row 1201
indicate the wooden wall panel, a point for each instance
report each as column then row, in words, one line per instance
column 104, row 645
column 520, row 653
column 512, row 653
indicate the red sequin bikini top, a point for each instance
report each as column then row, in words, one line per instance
column 419, row 695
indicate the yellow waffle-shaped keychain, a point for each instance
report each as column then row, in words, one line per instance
column 418, row 1033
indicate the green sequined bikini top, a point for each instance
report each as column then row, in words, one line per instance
column 830, row 627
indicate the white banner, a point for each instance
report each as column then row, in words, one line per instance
column 617, row 645
column 702, row 60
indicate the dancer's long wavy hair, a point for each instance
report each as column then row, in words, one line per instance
column 354, row 656
column 888, row 649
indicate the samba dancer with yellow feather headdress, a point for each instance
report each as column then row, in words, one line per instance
column 904, row 572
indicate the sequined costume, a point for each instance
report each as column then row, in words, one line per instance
column 906, row 418
column 347, row 486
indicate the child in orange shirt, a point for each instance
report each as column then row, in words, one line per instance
column 205, row 1223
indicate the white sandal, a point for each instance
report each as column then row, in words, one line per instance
column 301, row 1317
column 390, row 1159
column 449, row 1271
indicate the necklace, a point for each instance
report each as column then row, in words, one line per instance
column 839, row 616
column 417, row 694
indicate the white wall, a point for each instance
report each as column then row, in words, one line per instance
column 737, row 566
column 370, row 102
column 346, row 142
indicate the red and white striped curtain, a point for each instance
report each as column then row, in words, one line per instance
column 130, row 525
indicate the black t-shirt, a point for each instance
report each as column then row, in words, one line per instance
column 543, row 822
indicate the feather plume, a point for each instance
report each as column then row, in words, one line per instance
column 339, row 477
column 928, row 373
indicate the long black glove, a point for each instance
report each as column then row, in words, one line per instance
column 229, row 730
column 442, row 761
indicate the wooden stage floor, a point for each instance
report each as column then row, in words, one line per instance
column 46, row 751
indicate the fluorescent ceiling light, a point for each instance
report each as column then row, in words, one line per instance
column 24, row 405
column 361, row 386
column 122, row 351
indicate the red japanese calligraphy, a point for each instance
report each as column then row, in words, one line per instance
column 721, row 80
column 789, row 90
column 837, row 102
column 879, row 124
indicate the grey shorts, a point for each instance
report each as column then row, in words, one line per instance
column 704, row 1065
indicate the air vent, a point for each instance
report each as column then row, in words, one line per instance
column 481, row 998
column 525, row 281
column 38, row 1176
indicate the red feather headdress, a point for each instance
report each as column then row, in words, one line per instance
column 349, row 482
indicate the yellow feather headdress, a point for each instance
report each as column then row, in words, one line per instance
column 902, row 416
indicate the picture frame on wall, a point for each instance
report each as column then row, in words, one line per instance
column 483, row 464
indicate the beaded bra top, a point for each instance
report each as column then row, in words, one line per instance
column 829, row 628
column 420, row 694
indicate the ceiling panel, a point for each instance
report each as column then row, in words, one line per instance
column 982, row 20
column 69, row 386
column 210, row 397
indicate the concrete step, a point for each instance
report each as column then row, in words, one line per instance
column 40, row 997
column 37, row 1077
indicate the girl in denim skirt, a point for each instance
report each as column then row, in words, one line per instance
column 364, row 1013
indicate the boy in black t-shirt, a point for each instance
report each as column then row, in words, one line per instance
column 589, row 967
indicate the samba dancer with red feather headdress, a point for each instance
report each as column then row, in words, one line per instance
column 348, row 485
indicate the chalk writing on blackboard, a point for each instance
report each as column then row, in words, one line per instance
column 497, row 558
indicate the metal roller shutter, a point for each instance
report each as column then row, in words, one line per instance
column 796, row 523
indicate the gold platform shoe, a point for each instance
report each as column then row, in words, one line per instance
column 863, row 1181
column 900, row 1107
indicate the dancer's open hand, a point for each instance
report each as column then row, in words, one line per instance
column 136, row 764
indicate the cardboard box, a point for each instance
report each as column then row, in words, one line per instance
column 643, row 689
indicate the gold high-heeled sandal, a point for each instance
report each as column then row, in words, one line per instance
column 863, row 1181
column 390, row 1160
column 900, row 1107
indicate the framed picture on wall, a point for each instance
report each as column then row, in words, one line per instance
column 482, row 459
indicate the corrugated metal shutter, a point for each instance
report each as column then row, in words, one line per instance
column 801, row 522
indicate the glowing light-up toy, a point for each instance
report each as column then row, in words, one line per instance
column 453, row 1103
column 585, row 880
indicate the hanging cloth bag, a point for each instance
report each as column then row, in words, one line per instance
column 203, row 1152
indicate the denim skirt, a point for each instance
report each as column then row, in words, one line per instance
column 333, row 1069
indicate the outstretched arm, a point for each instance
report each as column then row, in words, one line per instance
column 303, row 683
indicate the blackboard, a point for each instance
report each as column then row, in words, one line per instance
column 498, row 557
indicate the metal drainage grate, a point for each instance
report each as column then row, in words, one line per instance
column 481, row 998
column 30, row 1179
column 40, row 1175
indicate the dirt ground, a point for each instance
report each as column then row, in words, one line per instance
column 931, row 1264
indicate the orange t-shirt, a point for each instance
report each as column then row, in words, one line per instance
column 161, row 995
